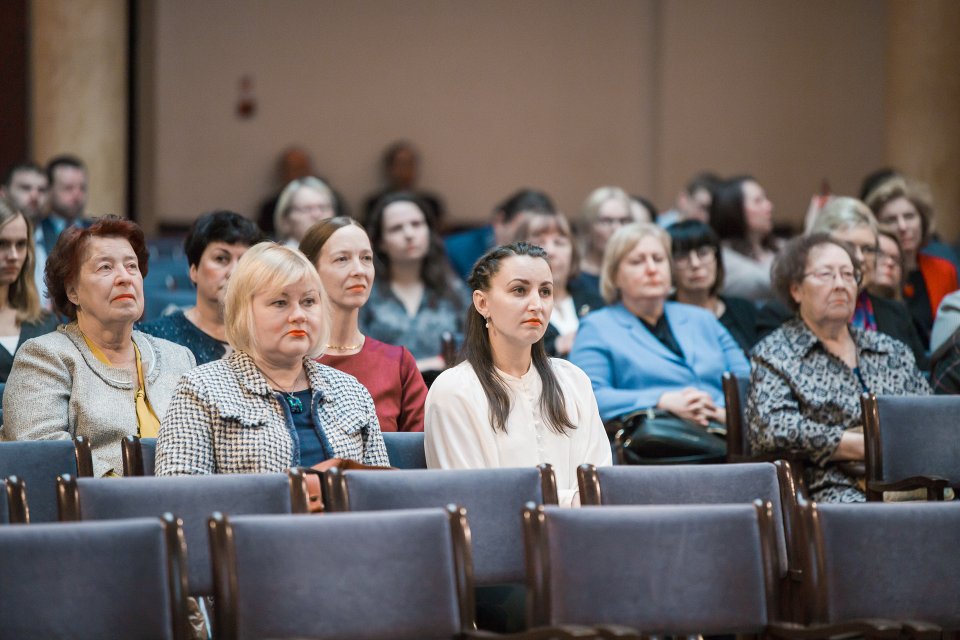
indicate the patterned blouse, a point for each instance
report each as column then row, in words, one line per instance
column 225, row 418
column 176, row 328
column 385, row 318
column 803, row 397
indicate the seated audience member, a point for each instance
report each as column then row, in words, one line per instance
column 808, row 375
column 216, row 242
column 25, row 187
column 888, row 277
column 340, row 251
column 927, row 278
column 603, row 212
column 698, row 278
column 849, row 220
column 94, row 377
column 401, row 172
column 466, row 247
column 294, row 163
column 644, row 352
column 509, row 404
column 693, row 202
column 571, row 300
column 302, row 204
column 21, row 316
column 416, row 297
column 741, row 215
column 269, row 406
column 642, row 209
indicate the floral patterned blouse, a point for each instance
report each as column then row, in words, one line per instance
column 803, row 397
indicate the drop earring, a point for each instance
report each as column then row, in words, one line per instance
column 487, row 323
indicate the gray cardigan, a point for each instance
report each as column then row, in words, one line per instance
column 58, row 389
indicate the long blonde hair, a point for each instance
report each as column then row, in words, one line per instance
column 22, row 294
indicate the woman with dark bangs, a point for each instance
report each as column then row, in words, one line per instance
column 698, row 278
column 415, row 298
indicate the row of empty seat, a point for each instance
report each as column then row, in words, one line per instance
column 402, row 572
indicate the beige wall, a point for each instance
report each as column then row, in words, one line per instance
column 564, row 96
column 497, row 95
column 79, row 92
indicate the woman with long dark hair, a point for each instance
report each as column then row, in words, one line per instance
column 741, row 214
column 509, row 404
column 416, row 297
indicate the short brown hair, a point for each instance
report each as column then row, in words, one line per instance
column 789, row 267
column 63, row 264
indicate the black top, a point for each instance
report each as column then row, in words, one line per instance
column 176, row 328
column 585, row 300
column 45, row 324
column 919, row 304
column 662, row 332
column 740, row 319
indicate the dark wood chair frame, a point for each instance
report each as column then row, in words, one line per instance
column 17, row 511
column 873, row 458
column 176, row 547
column 337, row 495
column 539, row 570
column 131, row 453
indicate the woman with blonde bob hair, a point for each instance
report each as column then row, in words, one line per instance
column 302, row 203
column 646, row 352
column 21, row 316
column 269, row 406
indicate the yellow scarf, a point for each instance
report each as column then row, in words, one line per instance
column 148, row 426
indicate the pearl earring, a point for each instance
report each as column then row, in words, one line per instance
column 487, row 324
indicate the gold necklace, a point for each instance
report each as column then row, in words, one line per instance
column 347, row 347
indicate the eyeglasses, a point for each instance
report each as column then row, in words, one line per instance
column 705, row 255
column 827, row 276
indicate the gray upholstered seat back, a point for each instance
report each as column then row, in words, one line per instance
column 684, row 569
column 896, row 561
column 38, row 463
column 493, row 498
column 85, row 580
column 405, row 449
column 697, row 484
column 920, row 436
column 346, row 575
column 190, row 498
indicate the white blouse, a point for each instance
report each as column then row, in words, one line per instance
column 459, row 434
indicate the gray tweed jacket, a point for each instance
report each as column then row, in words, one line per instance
column 57, row 389
column 225, row 418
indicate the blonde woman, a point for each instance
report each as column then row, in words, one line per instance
column 21, row 315
column 269, row 406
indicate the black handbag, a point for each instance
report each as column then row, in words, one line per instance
column 654, row 436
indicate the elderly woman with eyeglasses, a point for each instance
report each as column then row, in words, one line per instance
column 808, row 375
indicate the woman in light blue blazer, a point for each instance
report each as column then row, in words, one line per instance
column 644, row 352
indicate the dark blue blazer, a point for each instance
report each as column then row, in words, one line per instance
column 630, row 368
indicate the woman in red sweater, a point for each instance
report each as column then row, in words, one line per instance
column 340, row 249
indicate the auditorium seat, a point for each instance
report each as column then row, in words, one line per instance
column 911, row 442
column 91, row 581
column 190, row 498
column 38, row 463
column 405, row 449
column 677, row 570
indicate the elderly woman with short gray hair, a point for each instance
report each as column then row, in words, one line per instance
column 269, row 406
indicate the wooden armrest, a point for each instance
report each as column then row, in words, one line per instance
column 920, row 630
column 913, row 482
column 874, row 628
column 556, row 632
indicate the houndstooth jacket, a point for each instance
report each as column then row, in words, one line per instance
column 224, row 418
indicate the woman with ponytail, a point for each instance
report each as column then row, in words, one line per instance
column 509, row 404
